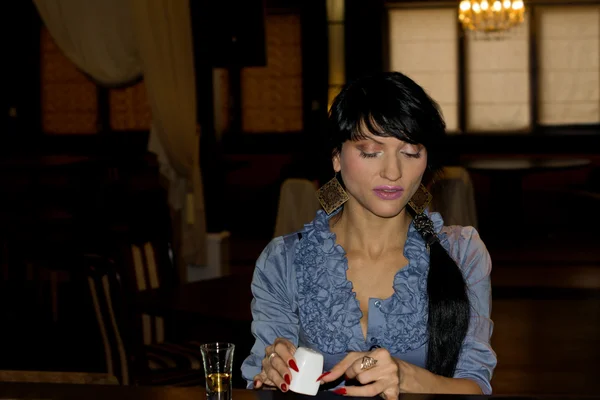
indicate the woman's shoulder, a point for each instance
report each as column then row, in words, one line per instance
column 277, row 251
column 317, row 230
column 276, row 266
column 465, row 246
column 303, row 245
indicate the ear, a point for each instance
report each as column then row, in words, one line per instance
column 337, row 165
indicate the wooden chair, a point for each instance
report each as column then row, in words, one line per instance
column 298, row 205
column 454, row 197
column 135, row 346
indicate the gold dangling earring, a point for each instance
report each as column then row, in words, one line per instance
column 420, row 200
column 332, row 195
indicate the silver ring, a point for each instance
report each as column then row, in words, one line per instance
column 367, row 363
column 273, row 354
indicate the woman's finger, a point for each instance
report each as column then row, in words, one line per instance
column 370, row 390
column 271, row 367
column 258, row 381
column 340, row 368
column 261, row 380
column 286, row 350
column 282, row 368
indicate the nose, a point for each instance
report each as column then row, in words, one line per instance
column 392, row 169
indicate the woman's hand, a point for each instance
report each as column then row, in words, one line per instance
column 382, row 378
column 279, row 357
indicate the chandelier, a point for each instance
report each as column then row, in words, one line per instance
column 490, row 16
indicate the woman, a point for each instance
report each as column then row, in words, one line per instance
column 395, row 301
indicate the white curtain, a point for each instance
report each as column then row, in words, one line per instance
column 423, row 44
column 114, row 41
column 96, row 36
column 569, row 52
column 164, row 36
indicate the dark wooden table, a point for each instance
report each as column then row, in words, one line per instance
column 506, row 191
column 207, row 311
column 225, row 298
column 91, row 392
column 525, row 165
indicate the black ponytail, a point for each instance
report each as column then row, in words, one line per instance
column 449, row 308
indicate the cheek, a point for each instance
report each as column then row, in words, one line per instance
column 422, row 169
column 353, row 168
column 348, row 164
column 417, row 169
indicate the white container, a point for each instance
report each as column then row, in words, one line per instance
column 310, row 365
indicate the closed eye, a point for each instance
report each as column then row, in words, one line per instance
column 413, row 155
column 368, row 155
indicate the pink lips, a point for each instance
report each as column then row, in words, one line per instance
column 388, row 192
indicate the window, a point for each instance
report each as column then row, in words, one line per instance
column 569, row 66
column 129, row 108
column 497, row 74
column 69, row 97
column 337, row 61
column 272, row 95
column 423, row 45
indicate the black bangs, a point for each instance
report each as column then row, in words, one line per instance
column 386, row 105
column 379, row 125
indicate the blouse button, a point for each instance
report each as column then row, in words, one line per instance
column 378, row 304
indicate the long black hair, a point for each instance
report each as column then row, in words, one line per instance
column 392, row 105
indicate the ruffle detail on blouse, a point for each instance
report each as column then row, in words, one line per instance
column 327, row 304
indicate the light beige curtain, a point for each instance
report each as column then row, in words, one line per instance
column 114, row 41
column 569, row 52
column 497, row 74
column 96, row 36
column 164, row 36
column 423, row 45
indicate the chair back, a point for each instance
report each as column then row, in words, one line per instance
column 298, row 205
column 113, row 315
column 150, row 267
column 454, row 197
column 145, row 258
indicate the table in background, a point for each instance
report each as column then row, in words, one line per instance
column 506, row 191
column 224, row 298
column 207, row 311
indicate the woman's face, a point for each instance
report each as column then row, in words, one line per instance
column 381, row 173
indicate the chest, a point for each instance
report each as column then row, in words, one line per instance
column 373, row 279
column 346, row 304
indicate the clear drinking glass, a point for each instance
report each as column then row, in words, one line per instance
column 218, row 364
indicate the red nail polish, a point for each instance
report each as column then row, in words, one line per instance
column 255, row 383
column 287, row 379
column 284, row 387
column 324, row 374
column 293, row 365
column 341, row 391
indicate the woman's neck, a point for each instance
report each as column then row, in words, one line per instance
column 359, row 230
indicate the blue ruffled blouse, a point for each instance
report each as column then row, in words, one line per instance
column 301, row 293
